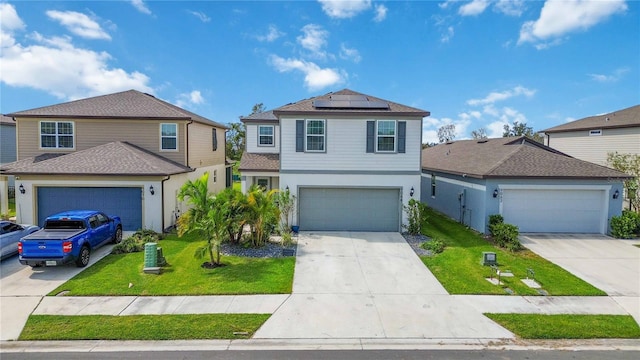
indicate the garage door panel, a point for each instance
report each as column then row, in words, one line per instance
column 349, row 209
column 562, row 210
column 125, row 202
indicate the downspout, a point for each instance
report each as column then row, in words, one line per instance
column 186, row 147
column 162, row 199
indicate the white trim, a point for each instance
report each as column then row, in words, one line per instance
column 57, row 135
column 273, row 135
column 168, row 137
column 395, row 137
column 323, row 136
column 258, row 178
column 456, row 182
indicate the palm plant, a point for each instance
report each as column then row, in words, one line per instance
column 236, row 204
column 204, row 216
column 262, row 213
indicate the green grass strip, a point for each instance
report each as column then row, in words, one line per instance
column 142, row 327
column 460, row 271
column 536, row 326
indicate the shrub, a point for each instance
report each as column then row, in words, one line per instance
column 626, row 225
column 135, row 242
column 436, row 246
column 495, row 219
column 506, row 236
column 417, row 216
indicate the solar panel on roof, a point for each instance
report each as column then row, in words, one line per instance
column 348, row 97
column 349, row 104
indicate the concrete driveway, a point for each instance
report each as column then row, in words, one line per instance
column 370, row 285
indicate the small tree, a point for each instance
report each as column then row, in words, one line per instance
column 630, row 164
column 446, row 133
column 263, row 213
column 416, row 216
column 286, row 204
column 236, row 205
column 521, row 129
column 479, row 134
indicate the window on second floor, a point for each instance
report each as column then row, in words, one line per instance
column 266, row 135
column 56, row 135
column 315, row 136
column 386, row 136
column 169, row 137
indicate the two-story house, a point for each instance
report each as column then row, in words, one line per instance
column 352, row 160
column 7, row 155
column 126, row 153
column 591, row 138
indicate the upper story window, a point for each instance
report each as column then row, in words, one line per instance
column 168, row 137
column 56, row 134
column 266, row 135
column 315, row 136
column 595, row 132
column 386, row 136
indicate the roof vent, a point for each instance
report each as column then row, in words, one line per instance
column 482, row 141
column 449, row 142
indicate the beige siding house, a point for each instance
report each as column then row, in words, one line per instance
column 126, row 154
column 591, row 138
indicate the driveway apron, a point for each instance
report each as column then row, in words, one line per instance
column 370, row 285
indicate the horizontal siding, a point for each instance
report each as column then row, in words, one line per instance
column 91, row 133
column 595, row 148
column 201, row 146
column 252, row 140
column 7, row 144
column 346, row 149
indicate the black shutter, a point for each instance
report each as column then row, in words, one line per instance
column 402, row 136
column 214, row 139
column 299, row 135
column 371, row 136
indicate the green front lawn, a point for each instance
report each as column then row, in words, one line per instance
column 536, row 326
column 460, row 271
column 142, row 327
column 122, row 274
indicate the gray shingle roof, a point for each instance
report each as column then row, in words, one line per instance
column 266, row 116
column 259, row 162
column 6, row 120
column 115, row 158
column 305, row 107
column 131, row 104
column 629, row 117
column 512, row 157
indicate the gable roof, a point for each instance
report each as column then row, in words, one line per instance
column 266, row 116
column 131, row 104
column 306, row 107
column 259, row 162
column 510, row 157
column 115, row 158
column 629, row 117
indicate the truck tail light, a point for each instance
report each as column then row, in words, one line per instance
column 20, row 248
column 67, row 246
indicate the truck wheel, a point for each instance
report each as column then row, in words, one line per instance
column 117, row 237
column 83, row 258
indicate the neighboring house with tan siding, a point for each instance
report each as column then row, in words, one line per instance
column 591, row 138
column 125, row 153
column 7, row 155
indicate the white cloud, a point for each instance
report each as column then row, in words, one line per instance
column 447, row 35
column 344, row 9
column 430, row 127
column 192, row 98
column 560, row 17
column 141, row 6
column 56, row 66
column 352, row 54
column 510, row 7
column 79, row 24
column 315, row 77
column 615, row 76
column 501, row 96
column 272, row 35
column 9, row 19
column 314, row 39
column 200, row 15
column 473, row 8
column 381, row 13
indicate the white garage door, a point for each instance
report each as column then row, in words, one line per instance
column 534, row 210
column 349, row 209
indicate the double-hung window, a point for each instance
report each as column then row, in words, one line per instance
column 56, row 135
column 386, row 136
column 315, row 136
column 266, row 135
column 169, row 137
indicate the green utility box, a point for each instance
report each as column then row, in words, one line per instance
column 150, row 255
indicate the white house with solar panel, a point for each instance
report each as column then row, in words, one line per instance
column 352, row 160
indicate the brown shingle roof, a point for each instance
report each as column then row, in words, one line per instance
column 513, row 157
column 629, row 117
column 305, row 107
column 266, row 116
column 131, row 104
column 259, row 162
column 115, row 158
column 6, row 120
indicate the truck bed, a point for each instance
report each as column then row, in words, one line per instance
column 45, row 234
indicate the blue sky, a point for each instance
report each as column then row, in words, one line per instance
column 475, row 64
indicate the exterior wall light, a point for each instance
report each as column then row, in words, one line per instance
column 287, row 188
column 495, row 193
column 152, row 190
column 616, row 193
column 411, row 192
column 21, row 188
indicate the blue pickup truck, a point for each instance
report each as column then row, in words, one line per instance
column 69, row 237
